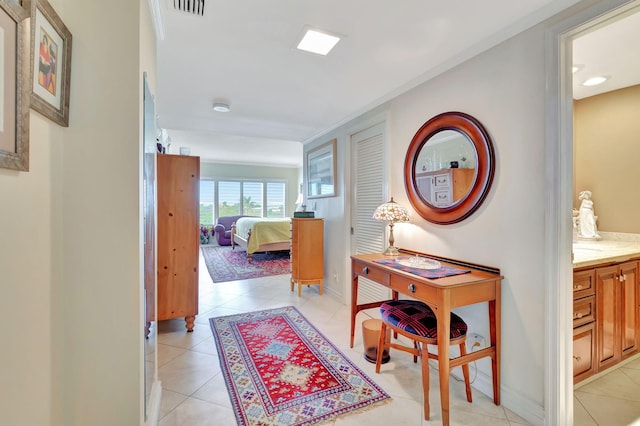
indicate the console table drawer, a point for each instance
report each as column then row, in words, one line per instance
column 373, row 274
column 413, row 288
column 584, row 311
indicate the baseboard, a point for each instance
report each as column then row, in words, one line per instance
column 523, row 407
column 153, row 408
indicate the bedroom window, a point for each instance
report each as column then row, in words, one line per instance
column 261, row 198
column 252, row 198
column 207, row 201
column 229, row 198
column 275, row 199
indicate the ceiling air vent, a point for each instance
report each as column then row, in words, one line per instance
column 192, row 6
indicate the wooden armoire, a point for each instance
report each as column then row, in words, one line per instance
column 178, row 193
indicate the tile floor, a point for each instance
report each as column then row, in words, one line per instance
column 194, row 393
column 612, row 399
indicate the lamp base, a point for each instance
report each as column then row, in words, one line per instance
column 391, row 251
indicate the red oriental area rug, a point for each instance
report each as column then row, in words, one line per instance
column 225, row 264
column 280, row 370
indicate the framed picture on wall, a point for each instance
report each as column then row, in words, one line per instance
column 50, row 62
column 14, row 86
column 321, row 171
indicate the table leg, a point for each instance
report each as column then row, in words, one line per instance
column 494, row 335
column 354, row 305
column 443, row 315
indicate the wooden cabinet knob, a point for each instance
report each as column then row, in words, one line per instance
column 577, row 287
column 578, row 315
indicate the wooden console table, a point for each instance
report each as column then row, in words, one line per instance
column 481, row 284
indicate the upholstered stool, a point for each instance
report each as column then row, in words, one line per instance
column 416, row 320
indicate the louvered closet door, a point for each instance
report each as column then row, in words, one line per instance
column 368, row 192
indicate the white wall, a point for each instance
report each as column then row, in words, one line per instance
column 98, row 298
column 508, row 230
column 69, row 257
column 26, row 277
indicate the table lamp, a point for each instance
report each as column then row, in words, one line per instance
column 393, row 213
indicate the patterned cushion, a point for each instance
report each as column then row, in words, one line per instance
column 417, row 318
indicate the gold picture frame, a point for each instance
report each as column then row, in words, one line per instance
column 14, row 89
column 321, row 171
column 51, row 44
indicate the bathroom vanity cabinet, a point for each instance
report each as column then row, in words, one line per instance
column 606, row 308
column 616, row 313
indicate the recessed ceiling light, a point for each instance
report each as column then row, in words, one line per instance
column 594, row 81
column 319, row 42
column 221, row 107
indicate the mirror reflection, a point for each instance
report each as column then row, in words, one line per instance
column 446, row 168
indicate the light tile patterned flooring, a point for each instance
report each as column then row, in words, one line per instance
column 194, row 393
column 613, row 399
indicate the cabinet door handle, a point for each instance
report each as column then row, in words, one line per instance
column 622, row 277
column 576, row 358
column 578, row 315
column 365, row 270
column 577, row 287
column 412, row 288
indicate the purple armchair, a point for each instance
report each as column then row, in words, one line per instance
column 223, row 229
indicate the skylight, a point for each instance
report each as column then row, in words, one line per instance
column 318, row 42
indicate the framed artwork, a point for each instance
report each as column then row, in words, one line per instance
column 321, row 171
column 14, row 86
column 50, row 62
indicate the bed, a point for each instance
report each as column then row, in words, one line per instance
column 257, row 234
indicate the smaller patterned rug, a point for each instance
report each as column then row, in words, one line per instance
column 225, row 264
column 280, row 370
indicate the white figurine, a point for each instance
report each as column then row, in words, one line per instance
column 586, row 218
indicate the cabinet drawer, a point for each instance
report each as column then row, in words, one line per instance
column 442, row 197
column 584, row 283
column 440, row 181
column 372, row 273
column 412, row 288
column 584, row 311
column 584, row 348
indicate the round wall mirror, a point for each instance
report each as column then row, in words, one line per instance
column 449, row 167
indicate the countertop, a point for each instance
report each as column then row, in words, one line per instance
column 613, row 247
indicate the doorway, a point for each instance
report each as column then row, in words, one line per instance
column 603, row 134
column 559, row 158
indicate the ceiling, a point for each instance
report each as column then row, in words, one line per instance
column 611, row 51
column 243, row 53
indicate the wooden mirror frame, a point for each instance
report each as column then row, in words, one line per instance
column 479, row 137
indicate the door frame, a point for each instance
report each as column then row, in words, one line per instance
column 558, row 386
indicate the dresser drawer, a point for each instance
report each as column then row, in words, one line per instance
column 584, row 283
column 442, row 197
column 412, row 288
column 370, row 272
column 584, row 310
column 440, row 181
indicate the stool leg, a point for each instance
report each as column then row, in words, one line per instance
column 425, row 380
column 465, row 372
column 415, row 346
column 381, row 345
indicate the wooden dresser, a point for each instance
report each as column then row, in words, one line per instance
column 446, row 186
column 307, row 253
column 178, row 237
